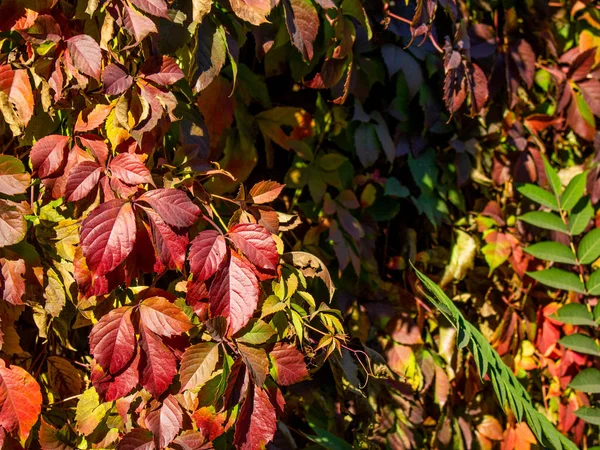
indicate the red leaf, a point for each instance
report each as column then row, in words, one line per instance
column 234, row 293
column 171, row 245
column 49, row 154
column 479, row 89
column 524, row 58
column 114, row 386
column 112, row 340
column 209, row 423
column 116, row 80
column 130, row 169
column 158, row 363
column 257, row 422
column 302, row 23
column 82, row 179
column 256, row 361
column 265, row 191
column 173, row 206
column 161, row 70
column 164, row 318
column 96, row 145
column 92, row 117
column 12, row 277
column 138, row 25
column 20, row 400
column 108, row 235
column 136, row 439
column 289, row 364
column 256, row 243
column 154, row 7
column 197, row 365
column 86, row 54
column 17, row 87
column 207, row 252
column 165, row 422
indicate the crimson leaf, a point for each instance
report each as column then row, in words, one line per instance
column 173, row 206
column 207, row 252
column 256, row 243
column 49, row 154
column 112, row 340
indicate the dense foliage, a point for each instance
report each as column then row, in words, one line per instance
column 208, row 210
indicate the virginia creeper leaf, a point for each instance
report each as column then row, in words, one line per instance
column 173, row 206
column 288, row 364
column 257, row 421
column 86, row 54
column 13, row 178
column 207, row 252
column 197, row 365
column 158, row 363
column 82, row 179
column 112, row 340
column 164, row 318
column 49, row 154
column 256, row 243
column 165, row 422
column 130, row 169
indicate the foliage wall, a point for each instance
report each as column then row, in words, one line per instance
column 208, row 210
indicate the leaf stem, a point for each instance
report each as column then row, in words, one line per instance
column 214, row 210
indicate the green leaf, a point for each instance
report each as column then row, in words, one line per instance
column 588, row 380
column 552, row 251
column 574, row 191
column 328, row 440
column 575, row 314
column 580, row 216
column 581, row 344
column 590, row 415
column 258, row 333
column 593, row 283
column 538, row 195
column 584, row 108
column 545, row 220
column 589, row 247
column 553, row 178
column 559, row 279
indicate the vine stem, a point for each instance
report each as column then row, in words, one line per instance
column 409, row 22
column 214, row 210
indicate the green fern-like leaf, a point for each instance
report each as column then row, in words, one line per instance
column 508, row 389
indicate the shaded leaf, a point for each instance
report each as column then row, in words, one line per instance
column 302, row 22
column 197, row 365
column 589, row 247
column 581, row 344
column 288, row 364
column 552, row 251
column 545, row 220
column 588, row 380
column 13, row 178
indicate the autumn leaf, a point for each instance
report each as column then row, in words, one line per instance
column 256, row 243
column 12, row 223
column 197, row 365
column 86, row 54
column 207, row 252
column 173, row 206
column 170, row 244
column 116, row 80
column 112, row 340
column 256, row 361
column 130, row 169
column 265, row 192
column 15, row 85
column 163, row 317
column 13, row 178
column 161, row 70
column 49, row 154
column 302, row 23
column 257, row 421
column 13, row 271
column 82, row 180
column 157, row 364
column 138, row 25
column 253, row 11
column 288, row 364
column 165, row 422
column 137, row 439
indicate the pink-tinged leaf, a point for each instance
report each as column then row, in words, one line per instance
column 130, row 169
column 582, row 64
column 234, row 293
column 289, row 364
column 13, row 178
column 138, row 25
column 20, row 400
column 256, row 243
column 165, row 422
column 265, row 191
column 170, row 244
column 158, row 363
column 136, row 439
column 302, row 23
column 192, row 440
column 96, row 145
column 256, row 361
column 164, row 318
column 590, row 89
column 207, row 252
column 108, row 235
column 112, row 340
column 173, row 206
column 257, row 421
column 82, row 179
column 86, row 55
column 114, row 386
column 524, row 58
column 12, row 223
column 116, row 80
column 161, row 70
column 17, row 87
column 479, row 90
column 154, row 7
column 92, row 117
column 253, row 11
column 197, row 365
column 49, row 154
column 13, row 280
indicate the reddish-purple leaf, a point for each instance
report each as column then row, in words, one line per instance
column 108, row 235
column 207, row 252
column 112, row 340
column 158, row 363
column 170, row 244
column 234, row 293
column 13, row 281
column 13, row 178
column 256, row 361
column 130, row 169
column 590, row 89
column 116, row 80
column 582, row 64
column 161, row 70
column 165, row 422
column 86, row 54
column 173, row 206
column 114, row 386
column 265, row 191
column 154, row 7
column 49, row 154
column 256, row 243
column 288, row 363
column 479, row 89
column 164, row 318
column 136, row 439
column 524, row 58
column 302, row 23
column 138, row 25
column 257, row 421
column 82, row 179
column 197, row 365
